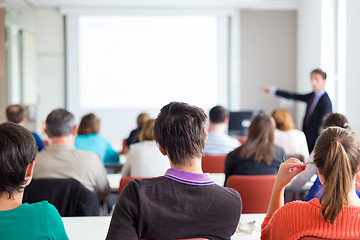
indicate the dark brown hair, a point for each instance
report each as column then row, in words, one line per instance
column 15, row 113
column 89, row 124
column 180, row 131
column 147, row 131
column 283, row 119
column 319, row 71
column 337, row 156
column 335, row 119
column 260, row 141
column 218, row 114
column 17, row 150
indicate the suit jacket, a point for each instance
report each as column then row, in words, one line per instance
column 323, row 107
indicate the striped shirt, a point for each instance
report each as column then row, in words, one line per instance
column 220, row 143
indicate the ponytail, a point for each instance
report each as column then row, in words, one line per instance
column 336, row 155
column 337, row 172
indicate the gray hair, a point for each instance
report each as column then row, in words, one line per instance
column 60, row 123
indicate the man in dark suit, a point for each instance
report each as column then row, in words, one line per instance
column 318, row 105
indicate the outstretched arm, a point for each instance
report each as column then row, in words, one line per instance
column 287, row 171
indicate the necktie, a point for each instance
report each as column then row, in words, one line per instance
column 309, row 113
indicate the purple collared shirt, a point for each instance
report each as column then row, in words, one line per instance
column 198, row 179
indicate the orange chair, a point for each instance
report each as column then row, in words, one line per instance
column 255, row 191
column 124, row 181
column 124, row 147
column 312, row 238
column 213, row 163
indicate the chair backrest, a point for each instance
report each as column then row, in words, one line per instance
column 124, row 147
column 213, row 163
column 124, row 181
column 255, row 191
column 68, row 196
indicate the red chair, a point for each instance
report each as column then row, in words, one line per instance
column 213, row 163
column 255, row 191
column 313, row 238
column 124, row 181
column 241, row 139
column 124, row 147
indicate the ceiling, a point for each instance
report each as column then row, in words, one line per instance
column 265, row 4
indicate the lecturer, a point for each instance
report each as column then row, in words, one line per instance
column 318, row 104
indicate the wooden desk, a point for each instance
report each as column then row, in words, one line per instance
column 95, row 228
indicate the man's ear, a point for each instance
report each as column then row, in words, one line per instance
column 226, row 121
column 206, row 135
column 74, row 131
column 163, row 152
column 29, row 172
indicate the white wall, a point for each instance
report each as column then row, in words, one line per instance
column 50, row 62
column 353, row 60
column 308, row 48
column 268, row 57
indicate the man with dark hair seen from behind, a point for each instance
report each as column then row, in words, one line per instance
column 185, row 202
column 16, row 114
column 218, row 142
column 62, row 160
column 318, row 105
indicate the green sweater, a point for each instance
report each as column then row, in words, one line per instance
column 32, row 221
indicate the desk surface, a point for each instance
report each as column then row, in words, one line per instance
column 95, row 228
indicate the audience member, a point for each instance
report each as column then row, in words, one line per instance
column 318, row 105
column 134, row 134
column 62, row 160
column 185, row 202
column 293, row 141
column 22, row 221
column 17, row 114
column 337, row 214
column 258, row 155
column 331, row 119
column 144, row 158
column 88, row 139
column 218, row 142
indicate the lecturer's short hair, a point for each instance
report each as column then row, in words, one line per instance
column 17, row 150
column 319, row 71
column 60, row 123
column 180, row 131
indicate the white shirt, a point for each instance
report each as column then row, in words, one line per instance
column 218, row 143
column 292, row 141
column 145, row 160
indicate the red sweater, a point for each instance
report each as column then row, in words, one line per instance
column 298, row 219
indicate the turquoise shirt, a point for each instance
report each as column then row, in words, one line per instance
column 32, row 221
column 97, row 144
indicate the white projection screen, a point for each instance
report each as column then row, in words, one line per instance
column 121, row 65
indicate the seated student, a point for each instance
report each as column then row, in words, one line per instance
column 62, row 160
column 258, row 155
column 144, row 158
column 88, row 139
column 16, row 114
column 134, row 134
column 293, row 141
column 331, row 119
column 218, row 142
column 337, row 214
column 185, row 202
column 22, row 221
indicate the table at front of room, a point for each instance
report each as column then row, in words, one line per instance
column 95, row 228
